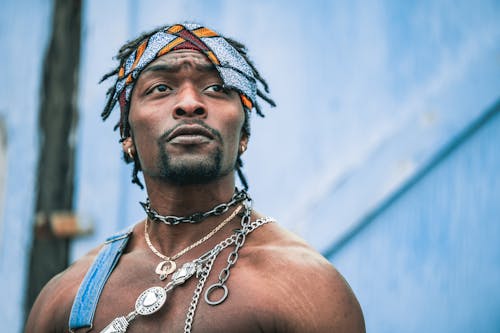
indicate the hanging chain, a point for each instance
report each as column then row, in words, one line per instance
column 220, row 209
column 196, row 296
column 202, row 266
column 209, row 259
column 239, row 240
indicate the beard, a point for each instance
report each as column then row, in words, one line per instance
column 190, row 170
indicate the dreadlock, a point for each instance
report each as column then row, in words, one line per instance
column 126, row 50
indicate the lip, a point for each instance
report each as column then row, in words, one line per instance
column 185, row 132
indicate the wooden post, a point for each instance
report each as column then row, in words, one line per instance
column 57, row 121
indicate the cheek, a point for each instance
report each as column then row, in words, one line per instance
column 233, row 132
column 144, row 122
column 145, row 130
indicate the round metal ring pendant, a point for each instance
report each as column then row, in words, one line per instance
column 211, row 289
column 150, row 301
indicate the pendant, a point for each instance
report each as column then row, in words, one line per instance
column 118, row 325
column 165, row 268
column 184, row 273
column 150, row 301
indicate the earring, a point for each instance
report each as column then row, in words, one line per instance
column 130, row 154
column 243, row 148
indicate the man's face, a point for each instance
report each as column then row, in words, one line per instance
column 185, row 127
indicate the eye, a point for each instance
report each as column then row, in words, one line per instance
column 216, row 88
column 160, row 88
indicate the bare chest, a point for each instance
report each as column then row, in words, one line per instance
column 174, row 318
column 184, row 308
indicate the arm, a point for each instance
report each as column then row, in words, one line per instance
column 306, row 293
column 45, row 314
column 320, row 301
column 294, row 288
column 51, row 310
column 338, row 310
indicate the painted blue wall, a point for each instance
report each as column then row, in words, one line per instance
column 430, row 262
column 368, row 93
column 377, row 74
column 24, row 33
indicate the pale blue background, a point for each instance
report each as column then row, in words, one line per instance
column 383, row 152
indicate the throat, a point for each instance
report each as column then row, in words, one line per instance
column 217, row 210
column 203, row 234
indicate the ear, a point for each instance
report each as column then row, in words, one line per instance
column 243, row 143
column 128, row 149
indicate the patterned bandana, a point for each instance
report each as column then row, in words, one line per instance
column 233, row 69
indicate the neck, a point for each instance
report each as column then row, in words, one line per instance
column 184, row 200
column 168, row 199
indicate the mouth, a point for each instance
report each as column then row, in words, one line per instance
column 190, row 134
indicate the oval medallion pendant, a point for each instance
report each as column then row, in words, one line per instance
column 150, row 301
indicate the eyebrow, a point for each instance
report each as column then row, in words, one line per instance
column 177, row 67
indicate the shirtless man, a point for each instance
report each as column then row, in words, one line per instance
column 185, row 95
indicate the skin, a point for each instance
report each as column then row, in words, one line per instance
column 279, row 283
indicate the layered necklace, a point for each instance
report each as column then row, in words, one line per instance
column 152, row 299
column 238, row 196
column 168, row 266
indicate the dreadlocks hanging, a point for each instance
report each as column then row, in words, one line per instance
column 228, row 56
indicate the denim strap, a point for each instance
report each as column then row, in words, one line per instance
column 85, row 303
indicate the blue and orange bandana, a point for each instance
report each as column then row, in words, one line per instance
column 233, row 69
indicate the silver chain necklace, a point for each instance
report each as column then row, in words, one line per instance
column 152, row 299
column 239, row 195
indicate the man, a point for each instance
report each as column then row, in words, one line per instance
column 203, row 260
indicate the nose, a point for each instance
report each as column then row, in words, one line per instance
column 189, row 103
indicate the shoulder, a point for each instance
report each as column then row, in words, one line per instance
column 303, row 289
column 50, row 312
column 52, row 308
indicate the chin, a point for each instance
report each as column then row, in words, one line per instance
column 190, row 169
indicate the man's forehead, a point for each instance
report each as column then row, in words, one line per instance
column 178, row 44
column 175, row 61
column 181, row 57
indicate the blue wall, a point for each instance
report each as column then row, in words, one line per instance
column 369, row 94
column 430, row 261
column 24, row 33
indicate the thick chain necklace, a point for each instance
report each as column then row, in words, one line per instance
column 152, row 299
column 196, row 217
column 168, row 265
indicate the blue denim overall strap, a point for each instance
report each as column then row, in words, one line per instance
column 87, row 297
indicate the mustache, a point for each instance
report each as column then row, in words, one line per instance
column 213, row 131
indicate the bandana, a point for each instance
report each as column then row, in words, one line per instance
column 233, row 69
